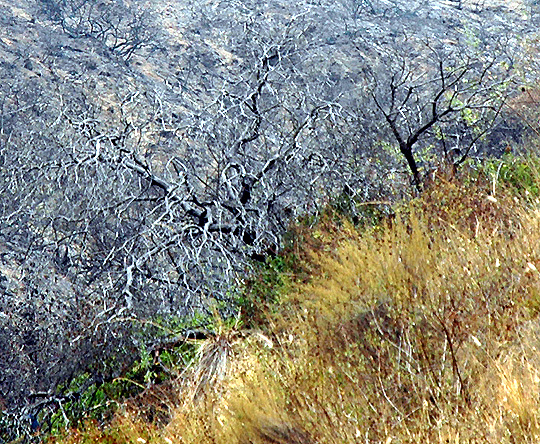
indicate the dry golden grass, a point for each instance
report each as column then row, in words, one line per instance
column 425, row 330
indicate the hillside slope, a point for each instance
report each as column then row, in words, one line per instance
column 153, row 153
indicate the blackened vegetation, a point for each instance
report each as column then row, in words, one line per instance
column 143, row 190
column 123, row 29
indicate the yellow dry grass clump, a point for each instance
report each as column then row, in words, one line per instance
column 423, row 330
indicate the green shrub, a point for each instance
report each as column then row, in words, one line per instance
column 518, row 173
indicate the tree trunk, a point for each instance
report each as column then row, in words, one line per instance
column 406, row 150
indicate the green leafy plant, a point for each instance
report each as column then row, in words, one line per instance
column 519, row 173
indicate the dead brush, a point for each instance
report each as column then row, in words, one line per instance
column 216, row 356
column 213, row 360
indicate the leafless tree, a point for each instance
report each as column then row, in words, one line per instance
column 445, row 105
column 112, row 220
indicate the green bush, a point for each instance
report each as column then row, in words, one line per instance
column 519, row 174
